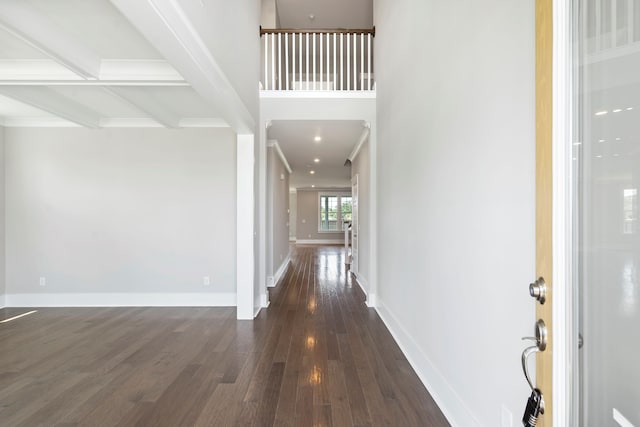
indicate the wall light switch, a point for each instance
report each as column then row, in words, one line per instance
column 206, row 281
column 43, row 281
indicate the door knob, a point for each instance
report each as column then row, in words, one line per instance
column 541, row 345
column 538, row 290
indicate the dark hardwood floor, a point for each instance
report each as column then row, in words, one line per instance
column 316, row 357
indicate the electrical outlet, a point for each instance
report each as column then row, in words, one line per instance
column 43, row 281
column 206, row 281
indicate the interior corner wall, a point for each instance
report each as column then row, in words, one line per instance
column 293, row 214
column 277, row 216
column 2, row 222
column 456, row 196
column 361, row 167
column 120, row 216
column 308, row 214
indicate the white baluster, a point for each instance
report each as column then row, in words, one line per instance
column 361, row 61
column 273, row 62
column 314, row 61
column 328, row 58
column 369, row 61
column 341, row 61
column 286, row 59
column 355, row 62
column 321, row 58
column 279, row 61
column 307, row 45
column 348, row 61
column 266, row 61
column 598, row 12
column 614, row 23
column 630, row 21
column 300, row 62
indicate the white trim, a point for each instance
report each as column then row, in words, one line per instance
column 563, row 312
column 196, row 299
column 245, row 227
column 2, row 301
column 363, row 138
column 274, row 144
column 272, row 281
column 371, row 300
column 317, row 94
column 451, row 405
column 264, row 303
column 320, row 241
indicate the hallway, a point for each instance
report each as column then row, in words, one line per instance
column 316, row 357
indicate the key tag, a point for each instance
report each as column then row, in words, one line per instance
column 535, row 407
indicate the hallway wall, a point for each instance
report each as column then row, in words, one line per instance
column 2, row 222
column 120, row 216
column 361, row 167
column 456, row 230
column 277, row 216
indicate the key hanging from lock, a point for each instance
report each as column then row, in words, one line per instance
column 535, row 407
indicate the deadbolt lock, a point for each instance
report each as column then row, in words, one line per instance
column 538, row 290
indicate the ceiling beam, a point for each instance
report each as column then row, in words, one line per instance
column 148, row 72
column 143, row 101
column 168, row 28
column 17, row 17
column 54, row 103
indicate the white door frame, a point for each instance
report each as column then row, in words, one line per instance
column 565, row 370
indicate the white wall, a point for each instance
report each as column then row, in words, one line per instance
column 277, row 216
column 293, row 214
column 140, row 214
column 455, row 177
column 231, row 31
column 2, row 223
column 361, row 167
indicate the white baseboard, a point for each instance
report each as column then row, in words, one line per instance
column 273, row 281
column 199, row 299
column 444, row 395
column 372, row 301
column 320, row 241
column 2, row 301
column 264, row 301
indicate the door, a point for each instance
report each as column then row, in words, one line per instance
column 592, row 171
column 544, row 196
column 355, row 225
column 606, row 179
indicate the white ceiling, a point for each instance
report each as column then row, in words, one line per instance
column 81, row 62
column 296, row 140
column 327, row 14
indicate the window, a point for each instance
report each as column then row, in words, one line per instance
column 335, row 209
column 630, row 210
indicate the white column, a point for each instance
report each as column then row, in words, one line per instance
column 244, row 227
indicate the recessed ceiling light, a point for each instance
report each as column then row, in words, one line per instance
column 313, row 186
column 577, row 143
column 317, row 139
column 601, row 140
column 618, row 139
column 616, row 154
column 599, row 156
column 312, row 172
column 617, row 110
column 316, row 160
column 630, row 108
column 601, row 113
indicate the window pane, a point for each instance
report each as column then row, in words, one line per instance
column 347, row 208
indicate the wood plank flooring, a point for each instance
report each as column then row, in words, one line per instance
column 316, row 357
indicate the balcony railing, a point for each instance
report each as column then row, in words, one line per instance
column 317, row 60
column 610, row 24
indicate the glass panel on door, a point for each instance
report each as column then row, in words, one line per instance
column 606, row 164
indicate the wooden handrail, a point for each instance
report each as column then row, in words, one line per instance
column 371, row 31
